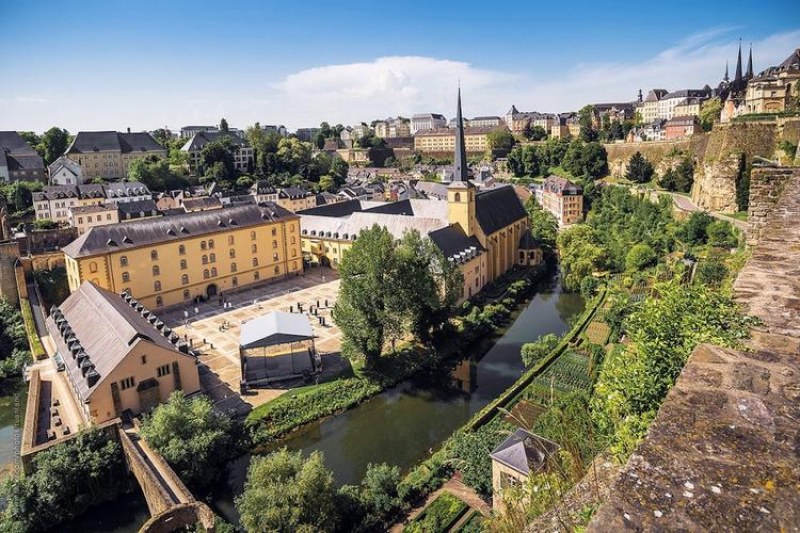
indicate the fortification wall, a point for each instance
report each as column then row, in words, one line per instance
column 9, row 253
column 722, row 453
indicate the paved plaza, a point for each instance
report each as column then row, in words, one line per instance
column 214, row 333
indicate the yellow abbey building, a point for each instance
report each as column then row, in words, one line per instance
column 172, row 260
column 485, row 232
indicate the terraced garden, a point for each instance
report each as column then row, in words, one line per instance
column 567, row 373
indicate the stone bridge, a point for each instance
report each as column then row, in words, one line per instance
column 723, row 454
column 172, row 506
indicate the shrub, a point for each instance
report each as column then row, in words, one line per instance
column 721, row 234
column 470, row 453
column 640, row 256
column 710, row 273
column 533, row 352
column 640, row 170
column 439, row 516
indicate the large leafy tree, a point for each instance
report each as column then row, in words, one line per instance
column 588, row 160
column 287, row 492
column 192, row 437
column 586, row 121
column 709, row 113
column 544, row 226
column 216, row 159
column 54, row 143
column 640, row 170
column 581, row 254
column 156, row 173
column 500, row 140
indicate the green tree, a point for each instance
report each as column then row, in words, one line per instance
column 581, row 254
column 721, row 234
column 500, row 140
column 44, row 224
column 156, row 173
column 319, row 141
column 217, row 160
column 586, row 121
column 14, row 348
column 33, row 140
column 364, row 306
column 533, row 352
column 709, row 113
column 223, row 125
column 338, row 171
column 588, row 160
column 694, row 230
column 544, row 226
column 373, row 504
column 326, row 131
column 286, row 492
column 525, row 161
column 54, row 143
column 743, row 184
column 66, row 480
column 192, row 437
column 710, row 273
column 640, row 257
column 640, row 170
column 470, row 452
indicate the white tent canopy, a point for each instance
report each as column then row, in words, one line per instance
column 275, row 328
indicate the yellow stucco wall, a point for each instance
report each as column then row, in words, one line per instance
column 275, row 246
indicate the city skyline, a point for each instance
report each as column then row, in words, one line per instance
column 172, row 67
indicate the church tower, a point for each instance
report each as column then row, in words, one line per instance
column 461, row 191
column 749, row 72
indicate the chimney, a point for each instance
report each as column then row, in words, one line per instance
column 129, row 130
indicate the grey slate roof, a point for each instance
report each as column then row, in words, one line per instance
column 106, row 327
column 151, row 231
column 293, row 192
column 452, row 240
column 14, row 143
column 64, row 162
column 200, row 139
column 135, row 209
column 336, row 209
column 201, row 202
column 559, row 185
column 524, row 452
column 125, row 189
column 113, row 141
column 497, row 208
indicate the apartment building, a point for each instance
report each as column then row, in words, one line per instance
column 64, row 171
column 84, row 217
column 243, row 153
column 108, row 154
column 444, row 140
column 427, row 121
column 18, row 161
column 563, row 199
column 296, row 199
column 55, row 201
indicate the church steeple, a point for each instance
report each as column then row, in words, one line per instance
column 749, row 74
column 726, row 77
column 738, row 76
column 460, row 164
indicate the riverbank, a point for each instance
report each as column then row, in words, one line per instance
column 291, row 412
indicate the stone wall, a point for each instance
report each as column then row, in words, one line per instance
column 9, row 253
column 766, row 187
column 155, row 493
column 185, row 515
column 723, row 453
column 41, row 241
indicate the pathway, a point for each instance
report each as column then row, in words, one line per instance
column 685, row 204
column 456, row 487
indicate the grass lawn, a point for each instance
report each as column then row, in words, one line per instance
column 739, row 215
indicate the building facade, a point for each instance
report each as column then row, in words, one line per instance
column 444, row 140
column 166, row 261
column 64, row 171
column 243, row 153
column 427, row 121
column 116, row 358
column 55, row 201
column 296, row 199
column 108, row 154
column 679, row 127
column 515, row 459
column 776, row 89
column 563, row 199
column 18, row 161
column 90, row 216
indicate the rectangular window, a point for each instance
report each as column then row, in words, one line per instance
column 163, row 370
column 127, row 383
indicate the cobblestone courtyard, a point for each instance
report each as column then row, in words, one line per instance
column 214, row 333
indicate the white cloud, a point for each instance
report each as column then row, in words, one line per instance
column 31, row 99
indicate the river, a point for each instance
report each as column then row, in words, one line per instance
column 404, row 425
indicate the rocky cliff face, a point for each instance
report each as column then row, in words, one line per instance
column 716, row 155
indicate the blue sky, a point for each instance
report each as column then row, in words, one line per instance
column 113, row 64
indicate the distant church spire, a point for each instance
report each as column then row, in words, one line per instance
column 460, row 164
column 726, row 77
column 749, row 74
column 738, row 76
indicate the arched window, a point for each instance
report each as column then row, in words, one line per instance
column 254, row 248
column 457, row 197
column 206, row 275
column 123, row 261
column 210, row 244
column 186, row 294
column 275, row 255
column 183, row 264
column 126, row 277
column 182, row 250
column 252, row 235
column 203, row 245
column 293, row 239
column 233, row 267
column 294, row 265
column 274, row 244
column 255, row 261
column 205, row 259
column 153, row 254
column 156, row 270
column 232, row 253
column 213, row 271
column 277, row 269
column 235, row 281
column 230, row 240
column 185, row 279
column 157, row 286
column 212, row 258
column 294, row 252
column 93, row 267
column 256, row 275
column 159, row 301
